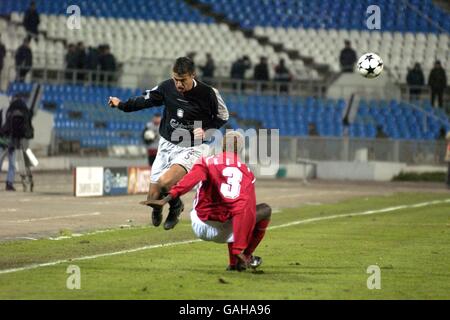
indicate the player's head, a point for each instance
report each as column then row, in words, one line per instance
column 233, row 141
column 183, row 73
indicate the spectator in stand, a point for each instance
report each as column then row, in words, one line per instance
column 261, row 72
column 80, row 60
column 238, row 69
column 71, row 60
column 31, row 20
column 2, row 55
column 282, row 74
column 437, row 82
column 107, row 62
column 191, row 55
column 347, row 58
column 24, row 60
column 208, row 68
column 92, row 63
column 415, row 78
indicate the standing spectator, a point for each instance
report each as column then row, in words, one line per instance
column 437, row 82
column 282, row 74
column 2, row 55
column 415, row 78
column 31, row 20
column 261, row 72
column 208, row 68
column 71, row 61
column 151, row 137
column 24, row 60
column 16, row 128
column 80, row 60
column 92, row 61
column 347, row 58
column 238, row 69
column 191, row 55
column 107, row 62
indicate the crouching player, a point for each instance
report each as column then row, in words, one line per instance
column 225, row 209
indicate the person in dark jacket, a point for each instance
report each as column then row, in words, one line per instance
column 209, row 67
column 261, row 72
column 347, row 58
column 107, row 63
column 17, row 126
column 415, row 78
column 71, row 60
column 238, row 69
column 437, row 82
column 282, row 74
column 24, row 60
column 2, row 55
column 31, row 19
column 80, row 61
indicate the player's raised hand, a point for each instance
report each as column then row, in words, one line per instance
column 113, row 102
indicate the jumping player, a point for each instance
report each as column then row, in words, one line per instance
column 225, row 207
column 186, row 101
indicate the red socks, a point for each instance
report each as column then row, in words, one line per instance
column 258, row 235
column 233, row 259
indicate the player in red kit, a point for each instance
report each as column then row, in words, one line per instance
column 225, row 209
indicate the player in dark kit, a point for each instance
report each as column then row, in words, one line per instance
column 225, row 209
column 191, row 108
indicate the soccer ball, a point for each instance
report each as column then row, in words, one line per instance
column 149, row 135
column 370, row 65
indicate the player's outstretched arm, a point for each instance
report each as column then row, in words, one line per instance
column 132, row 104
column 150, row 98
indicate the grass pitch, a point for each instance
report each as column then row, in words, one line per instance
column 320, row 259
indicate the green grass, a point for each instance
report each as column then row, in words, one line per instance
column 321, row 260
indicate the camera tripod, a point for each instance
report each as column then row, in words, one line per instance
column 23, row 163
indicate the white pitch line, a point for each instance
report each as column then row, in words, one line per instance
column 384, row 210
column 390, row 209
column 57, row 217
column 47, row 264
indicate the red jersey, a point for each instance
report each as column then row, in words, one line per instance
column 226, row 191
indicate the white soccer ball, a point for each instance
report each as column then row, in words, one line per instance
column 370, row 65
column 149, row 135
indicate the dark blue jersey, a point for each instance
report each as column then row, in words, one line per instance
column 201, row 103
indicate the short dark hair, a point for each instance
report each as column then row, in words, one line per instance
column 183, row 65
column 157, row 115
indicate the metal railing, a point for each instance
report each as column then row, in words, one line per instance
column 418, row 152
column 414, row 93
column 273, row 87
column 66, row 76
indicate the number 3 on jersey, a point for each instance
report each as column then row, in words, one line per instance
column 232, row 188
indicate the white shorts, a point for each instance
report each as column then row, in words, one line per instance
column 216, row 231
column 170, row 154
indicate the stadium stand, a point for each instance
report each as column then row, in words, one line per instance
column 81, row 115
column 167, row 29
column 318, row 29
column 162, row 32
